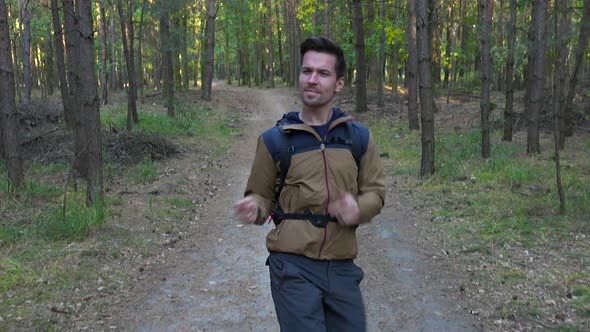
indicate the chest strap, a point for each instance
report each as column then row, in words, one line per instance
column 318, row 220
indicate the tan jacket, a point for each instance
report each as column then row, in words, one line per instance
column 316, row 178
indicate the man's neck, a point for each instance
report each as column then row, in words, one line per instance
column 316, row 117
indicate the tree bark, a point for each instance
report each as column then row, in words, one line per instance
column 326, row 22
column 167, row 66
column 87, row 134
column 579, row 58
column 209, row 52
column 509, row 106
column 425, row 82
column 140, row 76
column 128, row 50
column 536, row 75
column 271, row 70
column 103, row 52
column 113, row 53
column 9, row 143
column 25, row 18
column 559, row 73
column 486, row 11
column 381, row 57
column 412, row 70
column 359, row 48
column 58, row 38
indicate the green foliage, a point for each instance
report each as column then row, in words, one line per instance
column 13, row 274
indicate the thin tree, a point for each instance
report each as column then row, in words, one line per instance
column 140, row 53
column 167, row 67
column 559, row 73
column 25, row 18
column 536, row 73
column 509, row 105
column 381, row 57
column 412, row 68
column 359, row 50
column 567, row 128
column 425, row 82
column 271, row 71
column 208, row 54
column 127, row 35
column 9, row 143
column 103, row 52
column 486, row 11
column 61, row 64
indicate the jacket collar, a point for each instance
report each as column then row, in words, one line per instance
column 291, row 120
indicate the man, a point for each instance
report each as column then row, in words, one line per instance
column 317, row 175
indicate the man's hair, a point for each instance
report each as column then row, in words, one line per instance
column 325, row 45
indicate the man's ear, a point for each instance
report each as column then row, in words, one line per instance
column 339, row 84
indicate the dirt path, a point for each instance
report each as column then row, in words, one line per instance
column 216, row 280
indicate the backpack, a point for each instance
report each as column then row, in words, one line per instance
column 282, row 145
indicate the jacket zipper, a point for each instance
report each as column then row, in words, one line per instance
column 323, row 149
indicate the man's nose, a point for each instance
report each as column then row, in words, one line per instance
column 312, row 78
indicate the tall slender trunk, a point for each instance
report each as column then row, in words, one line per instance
column 579, row 58
column 486, row 11
column 9, row 142
column 536, row 74
column 412, row 68
column 140, row 75
column 167, row 66
column 425, row 82
column 559, row 73
column 103, row 51
column 209, row 52
column 113, row 53
column 280, row 40
column 58, row 37
column 359, row 48
column 509, row 106
column 25, row 17
column 127, row 37
column 89, row 118
column 381, row 57
column 271, row 70
column 326, row 22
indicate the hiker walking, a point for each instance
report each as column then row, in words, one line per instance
column 317, row 175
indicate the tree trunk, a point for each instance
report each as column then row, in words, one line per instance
column 425, row 80
column 359, row 48
column 271, row 70
column 61, row 64
column 559, row 73
column 167, row 66
column 25, row 18
column 371, row 53
column 280, row 39
column 486, row 11
column 140, row 75
column 103, row 52
column 113, row 53
column 381, row 65
column 536, row 75
column 412, row 70
column 509, row 106
column 209, row 53
column 9, row 143
column 579, row 58
column 87, row 134
column 128, row 51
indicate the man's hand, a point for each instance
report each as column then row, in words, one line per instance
column 346, row 210
column 246, row 210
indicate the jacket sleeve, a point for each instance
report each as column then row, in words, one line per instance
column 261, row 183
column 371, row 183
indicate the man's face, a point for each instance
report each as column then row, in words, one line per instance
column 318, row 82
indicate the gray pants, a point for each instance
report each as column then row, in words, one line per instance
column 316, row 295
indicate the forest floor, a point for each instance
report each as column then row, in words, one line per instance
column 203, row 271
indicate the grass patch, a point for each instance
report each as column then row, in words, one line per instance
column 144, row 172
column 509, row 198
column 77, row 222
column 582, row 302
